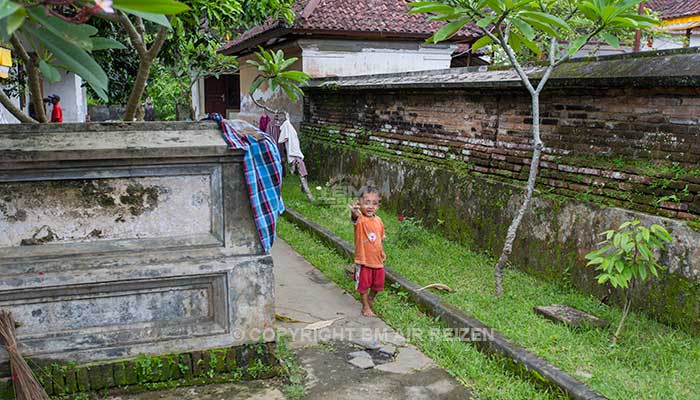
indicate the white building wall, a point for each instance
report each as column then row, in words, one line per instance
column 198, row 99
column 322, row 58
column 673, row 42
column 5, row 116
column 73, row 97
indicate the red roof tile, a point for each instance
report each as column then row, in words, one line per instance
column 674, row 8
column 388, row 18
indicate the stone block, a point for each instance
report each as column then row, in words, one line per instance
column 570, row 316
column 356, row 354
column 185, row 366
column 71, row 380
column 388, row 350
column 58, row 379
column 131, row 375
column 220, row 360
column 83, row 378
column 362, row 362
column 231, row 364
column 198, row 363
column 101, row 377
column 120, row 374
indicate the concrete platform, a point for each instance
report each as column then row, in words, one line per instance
column 304, row 293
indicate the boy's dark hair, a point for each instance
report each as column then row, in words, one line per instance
column 366, row 190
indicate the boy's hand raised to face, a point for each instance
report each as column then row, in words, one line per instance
column 354, row 210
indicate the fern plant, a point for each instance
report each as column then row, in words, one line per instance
column 627, row 257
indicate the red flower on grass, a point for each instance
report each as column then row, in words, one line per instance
column 401, row 217
column 40, row 273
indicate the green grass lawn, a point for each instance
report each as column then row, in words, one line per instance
column 651, row 361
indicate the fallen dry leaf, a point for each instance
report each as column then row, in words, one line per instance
column 284, row 318
column 321, row 324
column 438, row 286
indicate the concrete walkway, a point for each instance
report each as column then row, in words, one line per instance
column 305, row 294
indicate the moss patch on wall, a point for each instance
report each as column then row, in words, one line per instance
column 145, row 373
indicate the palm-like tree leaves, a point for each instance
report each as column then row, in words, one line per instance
column 74, row 58
column 272, row 69
column 166, row 7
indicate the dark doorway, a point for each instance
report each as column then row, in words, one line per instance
column 222, row 94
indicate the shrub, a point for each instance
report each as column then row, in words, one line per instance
column 627, row 257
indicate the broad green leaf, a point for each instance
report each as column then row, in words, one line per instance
column 287, row 63
column 159, row 19
column 166, row 7
column 524, row 28
column 496, row 5
column 643, row 273
column 514, row 42
column 484, row 22
column 74, row 58
column 8, row 8
column 589, row 10
column 49, row 71
column 546, row 19
column 448, row 30
column 100, row 43
column 16, row 20
column 576, row 45
column 531, row 44
column 298, row 76
column 481, row 42
column 446, row 17
column 78, row 34
column 256, row 84
column 437, row 8
column 546, row 28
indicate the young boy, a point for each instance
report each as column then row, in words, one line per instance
column 369, row 252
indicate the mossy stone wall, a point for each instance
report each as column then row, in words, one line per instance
column 553, row 238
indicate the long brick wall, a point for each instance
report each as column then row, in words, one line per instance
column 637, row 148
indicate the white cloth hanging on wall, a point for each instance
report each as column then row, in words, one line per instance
column 289, row 135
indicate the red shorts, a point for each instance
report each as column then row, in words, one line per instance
column 368, row 278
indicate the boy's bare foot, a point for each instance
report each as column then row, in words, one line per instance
column 367, row 312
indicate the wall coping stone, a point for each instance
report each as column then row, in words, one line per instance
column 21, row 143
column 665, row 68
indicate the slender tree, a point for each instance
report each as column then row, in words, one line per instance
column 526, row 31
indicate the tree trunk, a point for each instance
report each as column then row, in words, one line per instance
column 34, row 78
column 138, row 88
column 145, row 63
column 14, row 110
column 625, row 311
column 534, row 168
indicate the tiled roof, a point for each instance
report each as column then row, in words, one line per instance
column 674, row 8
column 388, row 18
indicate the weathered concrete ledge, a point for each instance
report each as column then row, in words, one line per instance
column 252, row 361
column 543, row 371
column 123, row 240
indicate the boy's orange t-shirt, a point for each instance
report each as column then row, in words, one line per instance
column 369, row 234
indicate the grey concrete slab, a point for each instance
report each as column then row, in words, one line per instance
column 303, row 293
